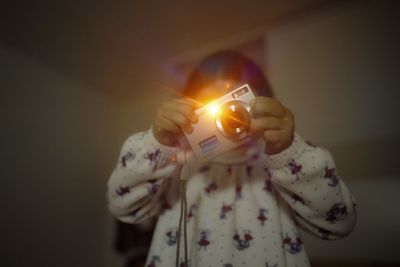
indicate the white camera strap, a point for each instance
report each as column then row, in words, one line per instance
column 184, row 175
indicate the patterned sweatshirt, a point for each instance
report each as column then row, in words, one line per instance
column 242, row 211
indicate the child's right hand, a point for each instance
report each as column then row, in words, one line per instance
column 172, row 119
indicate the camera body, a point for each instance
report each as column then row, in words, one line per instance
column 223, row 124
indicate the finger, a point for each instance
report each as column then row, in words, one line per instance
column 273, row 136
column 265, row 106
column 267, row 123
column 180, row 120
column 164, row 124
column 184, row 108
column 189, row 101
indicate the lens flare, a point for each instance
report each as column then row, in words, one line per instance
column 213, row 109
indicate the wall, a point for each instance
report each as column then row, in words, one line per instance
column 338, row 72
column 60, row 141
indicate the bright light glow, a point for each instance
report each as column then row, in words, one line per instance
column 213, row 109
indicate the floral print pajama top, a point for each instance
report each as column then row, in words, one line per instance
column 241, row 212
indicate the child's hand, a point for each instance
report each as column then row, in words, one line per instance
column 275, row 122
column 173, row 118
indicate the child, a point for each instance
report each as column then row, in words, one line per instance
column 244, row 207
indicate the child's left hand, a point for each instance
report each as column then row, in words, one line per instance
column 274, row 121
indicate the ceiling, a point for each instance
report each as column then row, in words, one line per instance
column 108, row 43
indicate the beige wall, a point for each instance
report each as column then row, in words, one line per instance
column 338, row 72
column 60, row 140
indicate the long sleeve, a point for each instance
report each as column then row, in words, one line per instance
column 136, row 186
column 305, row 177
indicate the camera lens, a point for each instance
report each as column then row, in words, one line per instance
column 233, row 120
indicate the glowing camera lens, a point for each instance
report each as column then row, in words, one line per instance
column 233, row 119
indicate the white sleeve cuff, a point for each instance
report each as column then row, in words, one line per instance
column 166, row 153
column 280, row 159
